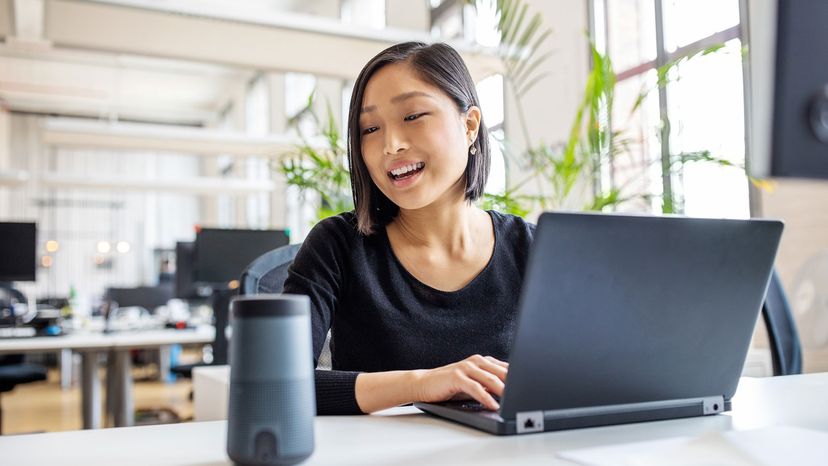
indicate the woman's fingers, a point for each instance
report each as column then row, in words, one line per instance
column 474, row 389
column 490, row 364
column 489, row 381
column 497, row 361
column 495, row 369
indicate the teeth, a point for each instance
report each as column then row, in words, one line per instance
column 407, row 168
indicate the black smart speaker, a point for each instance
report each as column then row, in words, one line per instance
column 272, row 402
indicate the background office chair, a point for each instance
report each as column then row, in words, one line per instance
column 13, row 371
column 267, row 275
column 786, row 352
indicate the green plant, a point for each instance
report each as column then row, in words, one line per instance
column 557, row 170
column 319, row 166
column 593, row 142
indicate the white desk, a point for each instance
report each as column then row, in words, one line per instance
column 404, row 436
column 91, row 345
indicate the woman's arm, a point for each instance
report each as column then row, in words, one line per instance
column 476, row 377
column 319, row 272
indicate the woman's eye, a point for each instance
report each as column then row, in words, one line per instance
column 369, row 130
column 413, row 117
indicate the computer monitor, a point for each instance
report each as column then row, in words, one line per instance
column 185, row 282
column 148, row 297
column 800, row 104
column 221, row 255
column 18, row 247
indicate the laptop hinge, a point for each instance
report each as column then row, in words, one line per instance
column 706, row 405
column 713, row 405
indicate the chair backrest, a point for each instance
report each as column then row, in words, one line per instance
column 786, row 351
column 267, row 274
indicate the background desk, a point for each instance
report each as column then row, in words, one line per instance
column 404, row 436
column 90, row 345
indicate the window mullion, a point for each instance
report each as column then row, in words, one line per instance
column 668, row 201
column 604, row 174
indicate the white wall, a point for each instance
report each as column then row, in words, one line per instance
column 407, row 14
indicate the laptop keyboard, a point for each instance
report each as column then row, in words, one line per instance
column 468, row 405
column 471, row 406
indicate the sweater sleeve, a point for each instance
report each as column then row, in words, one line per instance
column 319, row 271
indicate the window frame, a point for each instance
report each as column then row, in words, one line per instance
column 599, row 29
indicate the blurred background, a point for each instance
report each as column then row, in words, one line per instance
column 130, row 127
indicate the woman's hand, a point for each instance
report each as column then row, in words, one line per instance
column 476, row 377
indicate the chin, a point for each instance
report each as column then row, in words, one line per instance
column 410, row 204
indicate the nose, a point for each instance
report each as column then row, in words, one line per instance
column 395, row 141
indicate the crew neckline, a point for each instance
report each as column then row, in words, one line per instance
column 468, row 285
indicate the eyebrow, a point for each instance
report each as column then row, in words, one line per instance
column 399, row 98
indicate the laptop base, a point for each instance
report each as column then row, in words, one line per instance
column 490, row 421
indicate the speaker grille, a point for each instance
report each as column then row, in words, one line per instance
column 286, row 408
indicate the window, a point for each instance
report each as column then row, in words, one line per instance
column 701, row 109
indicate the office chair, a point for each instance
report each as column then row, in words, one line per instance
column 268, row 272
column 221, row 305
column 13, row 371
column 267, row 275
column 786, row 352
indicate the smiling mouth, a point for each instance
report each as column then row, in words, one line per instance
column 406, row 171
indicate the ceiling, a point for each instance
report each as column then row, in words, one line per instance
column 174, row 61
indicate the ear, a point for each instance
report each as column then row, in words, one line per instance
column 473, row 117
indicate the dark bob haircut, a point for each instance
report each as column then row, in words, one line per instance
column 441, row 66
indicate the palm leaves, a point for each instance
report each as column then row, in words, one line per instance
column 593, row 142
column 319, row 168
column 520, row 41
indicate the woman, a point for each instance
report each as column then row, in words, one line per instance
column 418, row 286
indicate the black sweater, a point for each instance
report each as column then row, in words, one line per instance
column 382, row 318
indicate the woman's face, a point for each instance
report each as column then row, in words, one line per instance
column 415, row 141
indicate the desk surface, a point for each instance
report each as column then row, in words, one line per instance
column 405, row 436
column 81, row 341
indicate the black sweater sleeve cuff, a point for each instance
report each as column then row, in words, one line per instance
column 336, row 392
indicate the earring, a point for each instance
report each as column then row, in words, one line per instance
column 473, row 150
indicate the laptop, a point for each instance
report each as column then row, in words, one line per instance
column 628, row 319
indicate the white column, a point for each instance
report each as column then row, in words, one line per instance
column 278, row 125
column 238, row 124
column 761, row 22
